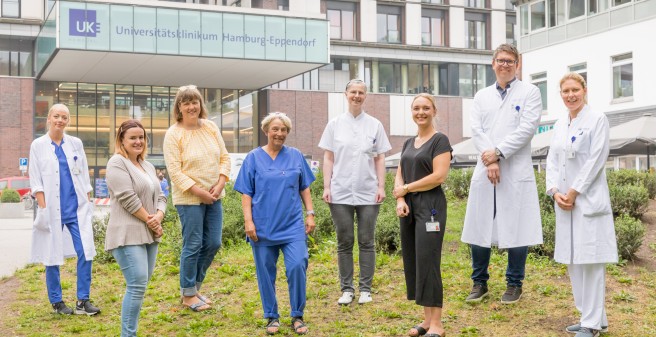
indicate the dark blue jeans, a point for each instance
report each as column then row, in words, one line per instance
column 514, row 271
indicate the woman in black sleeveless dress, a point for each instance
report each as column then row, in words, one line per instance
column 421, row 206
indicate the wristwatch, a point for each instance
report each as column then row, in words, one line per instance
column 309, row 212
column 551, row 192
column 405, row 188
column 498, row 152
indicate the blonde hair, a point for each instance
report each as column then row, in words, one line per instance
column 120, row 134
column 279, row 115
column 188, row 93
column 356, row 81
column 577, row 78
column 431, row 99
column 57, row 107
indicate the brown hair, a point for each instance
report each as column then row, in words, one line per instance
column 578, row 78
column 506, row 48
column 120, row 134
column 188, row 93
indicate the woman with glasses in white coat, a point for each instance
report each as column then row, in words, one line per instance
column 576, row 180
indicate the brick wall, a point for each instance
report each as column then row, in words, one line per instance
column 16, row 120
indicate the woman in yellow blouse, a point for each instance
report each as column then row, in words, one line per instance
column 199, row 166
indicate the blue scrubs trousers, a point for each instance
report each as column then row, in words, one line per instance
column 296, row 263
column 53, row 281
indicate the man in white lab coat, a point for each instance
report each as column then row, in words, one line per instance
column 503, row 208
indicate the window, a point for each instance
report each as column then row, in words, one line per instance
column 432, row 27
column 476, row 3
column 576, row 8
column 283, row 5
column 557, row 12
column 15, row 63
column 389, row 75
column 11, row 8
column 623, row 76
column 540, row 81
column 620, row 2
column 422, row 78
column 510, row 6
column 438, row 2
column 342, row 20
column 334, row 76
column 389, row 24
column 511, row 29
column 538, row 15
column 476, row 30
column 523, row 13
column 581, row 69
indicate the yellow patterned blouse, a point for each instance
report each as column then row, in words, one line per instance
column 195, row 157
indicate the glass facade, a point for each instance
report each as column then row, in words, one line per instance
column 98, row 109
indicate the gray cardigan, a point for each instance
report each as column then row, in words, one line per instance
column 129, row 191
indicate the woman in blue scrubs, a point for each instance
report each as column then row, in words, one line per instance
column 274, row 179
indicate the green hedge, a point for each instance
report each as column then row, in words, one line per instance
column 628, row 200
column 10, row 196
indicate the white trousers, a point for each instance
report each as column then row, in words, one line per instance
column 589, row 289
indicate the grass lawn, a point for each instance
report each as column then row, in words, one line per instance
column 545, row 309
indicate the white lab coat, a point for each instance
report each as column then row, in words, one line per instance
column 52, row 245
column 509, row 125
column 587, row 233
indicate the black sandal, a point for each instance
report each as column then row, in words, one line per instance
column 272, row 323
column 300, row 326
column 420, row 331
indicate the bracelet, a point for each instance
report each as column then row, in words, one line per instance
column 405, row 188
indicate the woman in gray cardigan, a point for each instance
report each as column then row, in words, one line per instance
column 135, row 222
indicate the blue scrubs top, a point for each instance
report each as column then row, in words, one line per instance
column 275, row 187
column 67, row 195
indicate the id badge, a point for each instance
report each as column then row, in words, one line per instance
column 433, row 226
column 372, row 154
column 571, row 154
column 76, row 170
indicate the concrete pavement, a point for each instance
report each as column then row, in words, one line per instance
column 16, row 241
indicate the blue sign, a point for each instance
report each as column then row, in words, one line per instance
column 101, row 188
column 22, row 161
column 83, row 23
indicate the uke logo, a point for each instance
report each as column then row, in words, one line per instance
column 82, row 23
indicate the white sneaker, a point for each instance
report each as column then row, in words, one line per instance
column 365, row 297
column 347, row 298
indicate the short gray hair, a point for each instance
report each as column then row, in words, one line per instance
column 356, row 81
column 279, row 115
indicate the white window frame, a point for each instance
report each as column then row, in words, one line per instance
column 618, row 63
column 537, row 79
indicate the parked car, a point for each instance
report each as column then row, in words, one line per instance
column 21, row 185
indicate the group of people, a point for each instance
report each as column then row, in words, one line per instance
column 275, row 180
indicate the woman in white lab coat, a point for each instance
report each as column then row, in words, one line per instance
column 59, row 178
column 576, row 179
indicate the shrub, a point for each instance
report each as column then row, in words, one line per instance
column 99, row 225
column 172, row 239
column 546, row 203
column 458, row 181
column 628, row 199
column 548, row 235
column 629, row 233
column 233, row 217
column 634, row 178
column 10, row 196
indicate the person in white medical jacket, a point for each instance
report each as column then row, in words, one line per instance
column 59, row 178
column 576, row 179
column 503, row 208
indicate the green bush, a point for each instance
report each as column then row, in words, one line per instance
column 629, row 233
column 99, row 225
column 10, row 196
column 388, row 233
column 634, row 178
column 546, row 203
column 548, row 235
column 172, row 238
column 233, row 217
column 628, row 199
column 458, row 181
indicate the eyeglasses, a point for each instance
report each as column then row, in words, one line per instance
column 505, row 62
